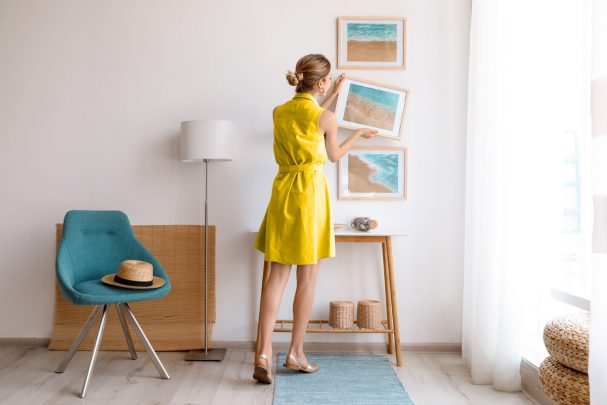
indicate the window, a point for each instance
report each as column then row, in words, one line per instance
column 571, row 183
column 568, row 287
column 573, row 278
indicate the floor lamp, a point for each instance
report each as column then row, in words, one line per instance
column 206, row 141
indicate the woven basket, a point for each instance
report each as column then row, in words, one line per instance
column 563, row 384
column 341, row 314
column 368, row 314
column 566, row 339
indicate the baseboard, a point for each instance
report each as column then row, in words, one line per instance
column 348, row 347
column 334, row 347
column 432, row 347
column 34, row 342
column 531, row 383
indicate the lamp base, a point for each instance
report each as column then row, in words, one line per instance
column 214, row 354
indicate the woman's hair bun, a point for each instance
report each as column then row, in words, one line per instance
column 294, row 78
column 310, row 69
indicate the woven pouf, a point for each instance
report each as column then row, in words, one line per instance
column 341, row 314
column 563, row 384
column 566, row 339
column 368, row 314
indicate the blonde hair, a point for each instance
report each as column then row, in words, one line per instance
column 309, row 70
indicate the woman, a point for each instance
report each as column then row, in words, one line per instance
column 298, row 224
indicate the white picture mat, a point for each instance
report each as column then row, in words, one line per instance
column 343, row 43
column 340, row 108
column 344, row 173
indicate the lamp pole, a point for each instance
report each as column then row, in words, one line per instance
column 215, row 354
column 206, row 141
column 206, row 254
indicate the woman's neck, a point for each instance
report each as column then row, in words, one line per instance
column 313, row 93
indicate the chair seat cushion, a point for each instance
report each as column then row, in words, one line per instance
column 566, row 339
column 563, row 384
column 95, row 292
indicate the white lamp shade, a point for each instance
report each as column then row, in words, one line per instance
column 206, row 140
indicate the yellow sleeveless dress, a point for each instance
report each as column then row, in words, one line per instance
column 297, row 227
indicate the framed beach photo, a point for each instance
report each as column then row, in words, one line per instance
column 373, row 173
column 366, row 104
column 371, row 42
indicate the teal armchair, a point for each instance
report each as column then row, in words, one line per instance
column 93, row 244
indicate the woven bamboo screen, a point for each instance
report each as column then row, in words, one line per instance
column 175, row 322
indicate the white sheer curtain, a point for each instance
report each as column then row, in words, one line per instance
column 598, row 328
column 514, row 209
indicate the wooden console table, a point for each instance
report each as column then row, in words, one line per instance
column 389, row 326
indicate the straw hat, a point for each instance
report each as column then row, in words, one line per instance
column 134, row 274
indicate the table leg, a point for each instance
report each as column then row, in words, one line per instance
column 264, row 279
column 388, row 297
column 399, row 360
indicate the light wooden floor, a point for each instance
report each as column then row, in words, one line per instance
column 27, row 377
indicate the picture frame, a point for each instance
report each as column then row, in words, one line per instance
column 371, row 42
column 366, row 104
column 373, row 173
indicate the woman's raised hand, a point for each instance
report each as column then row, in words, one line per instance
column 333, row 92
column 338, row 82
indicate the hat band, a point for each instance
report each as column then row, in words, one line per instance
column 132, row 282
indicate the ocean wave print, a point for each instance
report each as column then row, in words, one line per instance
column 371, row 32
column 381, row 98
column 387, row 168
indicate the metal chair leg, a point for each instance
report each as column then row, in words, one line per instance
column 78, row 341
column 125, row 329
column 146, row 343
column 89, row 373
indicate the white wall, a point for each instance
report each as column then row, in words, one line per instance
column 91, row 97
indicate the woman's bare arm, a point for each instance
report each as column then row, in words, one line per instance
column 334, row 91
column 326, row 103
column 328, row 124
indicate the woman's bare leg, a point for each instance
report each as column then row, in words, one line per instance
column 270, row 301
column 302, row 306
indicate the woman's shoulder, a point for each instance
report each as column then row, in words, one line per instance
column 326, row 119
column 278, row 109
column 283, row 108
column 284, row 105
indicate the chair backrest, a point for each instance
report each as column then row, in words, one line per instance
column 94, row 243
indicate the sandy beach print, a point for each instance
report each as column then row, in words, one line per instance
column 372, row 173
column 370, row 106
column 371, row 42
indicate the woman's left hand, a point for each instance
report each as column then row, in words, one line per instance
column 338, row 82
column 333, row 92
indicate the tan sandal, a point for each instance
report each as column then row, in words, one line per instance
column 262, row 374
column 309, row 368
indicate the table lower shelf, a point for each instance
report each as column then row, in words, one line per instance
column 322, row 326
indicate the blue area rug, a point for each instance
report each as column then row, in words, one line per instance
column 340, row 380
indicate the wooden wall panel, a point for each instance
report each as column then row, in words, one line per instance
column 175, row 322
